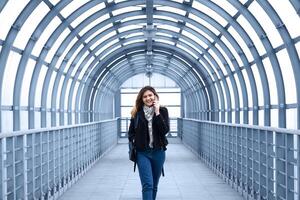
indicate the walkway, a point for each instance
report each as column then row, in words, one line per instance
column 112, row 178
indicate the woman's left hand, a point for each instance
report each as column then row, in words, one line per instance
column 156, row 106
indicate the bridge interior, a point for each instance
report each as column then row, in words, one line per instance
column 231, row 67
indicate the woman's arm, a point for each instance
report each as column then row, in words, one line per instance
column 131, row 131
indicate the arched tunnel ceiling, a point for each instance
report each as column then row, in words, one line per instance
column 220, row 52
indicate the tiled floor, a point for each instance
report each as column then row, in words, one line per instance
column 186, row 178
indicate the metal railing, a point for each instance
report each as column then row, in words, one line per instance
column 259, row 162
column 42, row 164
column 125, row 121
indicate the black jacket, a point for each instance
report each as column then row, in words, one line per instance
column 139, row 132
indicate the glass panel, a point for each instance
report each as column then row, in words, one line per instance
column 129, row 27
column 54, row 2
column 50, row 89
column 220, row 64
column 7, row 121
column 253, row 35
column 162, row 17
column 135, row 17
column 186, row 50
column 241, row 117
column 204, row 23
column 73, row 118
column 45, row 36
column 288, row 76
column 23, row 120
column 261, row 117
column 274, row 117
column 128, row 99
column 74, row 95
column 9, row 77
column 271, row 80
column 165, row 41
column 57, row 94
column 258, row 85
column 30, row 24
column 67, row 94
column 225, row 95
column 210, row 12
column 232, row 50
column 57, row 119
column 199, row 31
column 233, row 117
column 94, row 23
column 206, row 68
column 219, row 98
column 7, row 17
column 39, row 86
column 71, row 7
column 195, row 38
column 48, row 119
column 125, row 111
column 243, row 46
column 132, row 42
column 65, row 52
column 250, row 117
column 291, row 118
column 169, row 98
column 243, row 1
column 266, row 23
column 241, row 101
column 138, row 34
column 26, row 82
column 37, row 119
column 107, row 47
column 233, row 105
column 171, row 9
column 288, row 15
column 226, row 58
column 174, row 111
column 104, row 38
column 55, row 46
column 190, row 45
column 179, row 1
column 125, row 10
column 79, row 63
column 85, row 67
column 70, row 61
column 111, row 49
column 118, row 1
column 250, row 102
column 66, row 119
column 87, row 14
column 298, row 48
column 226, row 6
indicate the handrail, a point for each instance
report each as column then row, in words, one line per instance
column 38, row 130
column 43, row 163
column 259, row 162
column 265, row 128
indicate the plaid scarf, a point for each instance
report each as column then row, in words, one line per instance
column 149, row 111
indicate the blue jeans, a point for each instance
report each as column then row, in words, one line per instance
column 150, row 163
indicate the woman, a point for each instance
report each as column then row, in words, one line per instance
column 149, row 125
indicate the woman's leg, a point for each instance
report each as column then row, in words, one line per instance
column 157, row 163
column 145, row 172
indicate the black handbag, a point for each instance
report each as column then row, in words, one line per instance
column 132, row 152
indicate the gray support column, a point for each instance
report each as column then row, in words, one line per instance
column 117, row 103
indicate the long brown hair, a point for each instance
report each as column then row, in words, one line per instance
column 139, row 99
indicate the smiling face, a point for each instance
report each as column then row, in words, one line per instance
column 148, row 98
